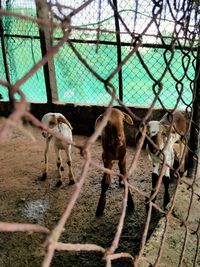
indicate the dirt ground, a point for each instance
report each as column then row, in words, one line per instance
column 25, row 199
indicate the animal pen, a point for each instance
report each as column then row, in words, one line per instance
column 81, row 58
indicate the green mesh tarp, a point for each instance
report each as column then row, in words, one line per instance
column 75, row 83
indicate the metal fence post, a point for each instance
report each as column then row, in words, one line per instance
column 46, row 45
column 195, row 124
column 119, row 52
column 4, row 54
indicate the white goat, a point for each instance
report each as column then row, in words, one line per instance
column 160, row 134
column 180, row 131
column 59, row 125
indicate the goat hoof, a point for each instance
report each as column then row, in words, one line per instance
column 99, row 212
column 121, row 184
column 71, row 182
column 166, row 201
column 100, row 207
column 43, row 177
column 59, row 183
column 131, row 206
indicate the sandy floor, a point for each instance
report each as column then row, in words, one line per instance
column 25, row 199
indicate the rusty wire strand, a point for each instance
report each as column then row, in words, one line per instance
column 20, row 110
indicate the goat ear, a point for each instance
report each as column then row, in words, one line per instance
column 52, row 121
column 165, row 129
column 64, row 120
column 128, row 119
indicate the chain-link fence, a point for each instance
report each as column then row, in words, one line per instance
column 105, row 52
column 94, row 36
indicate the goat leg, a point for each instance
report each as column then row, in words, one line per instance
column 69, row 163
column 44, row 174
column 154, row 183
column 59, row 166
column 122, row 168
column 71, row 175
column 102, row 200
column 130, row 203
column 166, row 193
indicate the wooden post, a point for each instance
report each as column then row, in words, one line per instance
column 46, row 45
column 195, row 125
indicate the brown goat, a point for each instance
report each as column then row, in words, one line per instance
column 114, row 149
column 180, row 127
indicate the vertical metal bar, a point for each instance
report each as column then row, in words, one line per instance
column 46, row 44
column 195, row 125
column 4, row 53
column 45, row 67
column 119, row 52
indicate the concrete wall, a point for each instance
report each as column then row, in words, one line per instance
column 82, row 117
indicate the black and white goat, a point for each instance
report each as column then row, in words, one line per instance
column 61, row 126
column 162, row 150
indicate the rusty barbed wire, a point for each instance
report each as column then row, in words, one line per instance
column 20, row 111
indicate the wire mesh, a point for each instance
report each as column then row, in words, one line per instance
column 163, row 75
column 95, row 39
